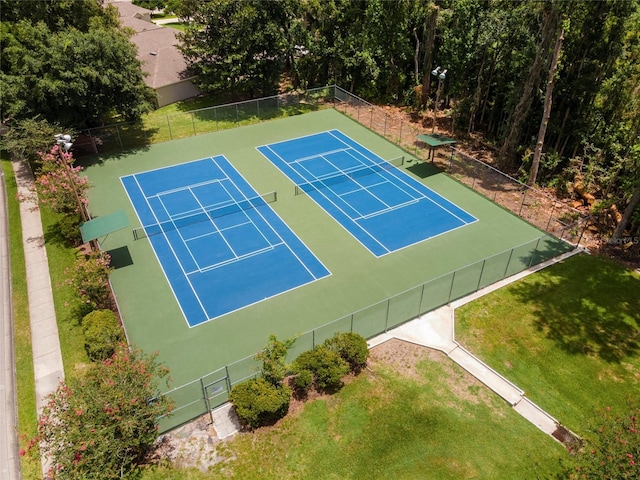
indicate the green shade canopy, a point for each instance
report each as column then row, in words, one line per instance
column 435, row 139
column 102, row 226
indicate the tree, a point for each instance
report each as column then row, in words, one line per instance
column 25, row 138
column 75, row 78
column 90, row 277
column 103, row 424
column 59, row 183
column 273, row 358
column 235, row 46
column 533, row 174
column 509, row 147
column 614, row 453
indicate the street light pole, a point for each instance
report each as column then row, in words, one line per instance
column 440, row 74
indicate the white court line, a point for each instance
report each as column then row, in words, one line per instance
column 176, row 258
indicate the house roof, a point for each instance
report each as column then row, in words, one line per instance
column 157, row 47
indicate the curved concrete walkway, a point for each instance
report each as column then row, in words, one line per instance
column 45, row 344
column 436, row 330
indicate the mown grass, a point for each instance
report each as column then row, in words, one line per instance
column 568, row 335
column 26, row 394
column 61, row 258
column 386, row 426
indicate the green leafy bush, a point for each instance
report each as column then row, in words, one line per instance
column 351, row 347
column 327, row 367
column 273, row 358
column 103, row 424
column 102, row 332
column 69, row 226
column 259, row 402
column 303, row 381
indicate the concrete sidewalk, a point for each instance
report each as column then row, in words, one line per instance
column 45, row 343
column 436, row 330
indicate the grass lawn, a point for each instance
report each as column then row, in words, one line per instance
column 21, row 325
column 569, row 336
column 413, row 415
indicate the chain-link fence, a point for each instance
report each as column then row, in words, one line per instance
column 562, row 222
column 163, row 128
column 201, row 396
column 531, row 204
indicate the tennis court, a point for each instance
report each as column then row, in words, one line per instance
column 219, row 243
column 380, row 205
column 149, row 300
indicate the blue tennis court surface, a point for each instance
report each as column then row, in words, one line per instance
column 379, row 204
column 220, row 244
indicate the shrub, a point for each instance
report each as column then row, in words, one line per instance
column 327, row 367
column 259, row 402
column 273, row 358
column 351, row 347
column 103, row 424
column 102, row 332
column 303, row 381
column 69, row 226
column 90, row 277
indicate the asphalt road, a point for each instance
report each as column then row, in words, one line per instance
column 9, row 456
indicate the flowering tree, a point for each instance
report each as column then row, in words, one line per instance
column 60, row 185
column 90, row 277
column 102, row 425
column 615, row 453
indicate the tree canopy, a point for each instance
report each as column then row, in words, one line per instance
column 498, row 55
column 68, row 62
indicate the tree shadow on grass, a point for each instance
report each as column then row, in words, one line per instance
column 588, row 306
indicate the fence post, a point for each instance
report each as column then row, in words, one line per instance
column 215, row 114
column 258, row 107
column 386, row 320
column 508, row 263
column 193, row 124
column 384, row 128
column 453, row 279
column 169, row 125
column 237, row 114
column 535, row 249
column 551, row 216
column 421, row 298
column 524, row 196
column 481, row 272
column 352, row 322
column 400, row 136
column 205, row 395
column 226, row 370
column 119, row 139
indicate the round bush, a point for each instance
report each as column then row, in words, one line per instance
column 351, row 347
column 258, row 402
column 327, row 367
column 102, row 333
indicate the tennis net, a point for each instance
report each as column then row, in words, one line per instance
column 206, row 215
column 348, row 176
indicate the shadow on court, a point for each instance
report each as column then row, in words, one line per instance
column 424, row 169
column 120, row 257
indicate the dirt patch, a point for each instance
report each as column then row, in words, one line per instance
column 406, row 358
